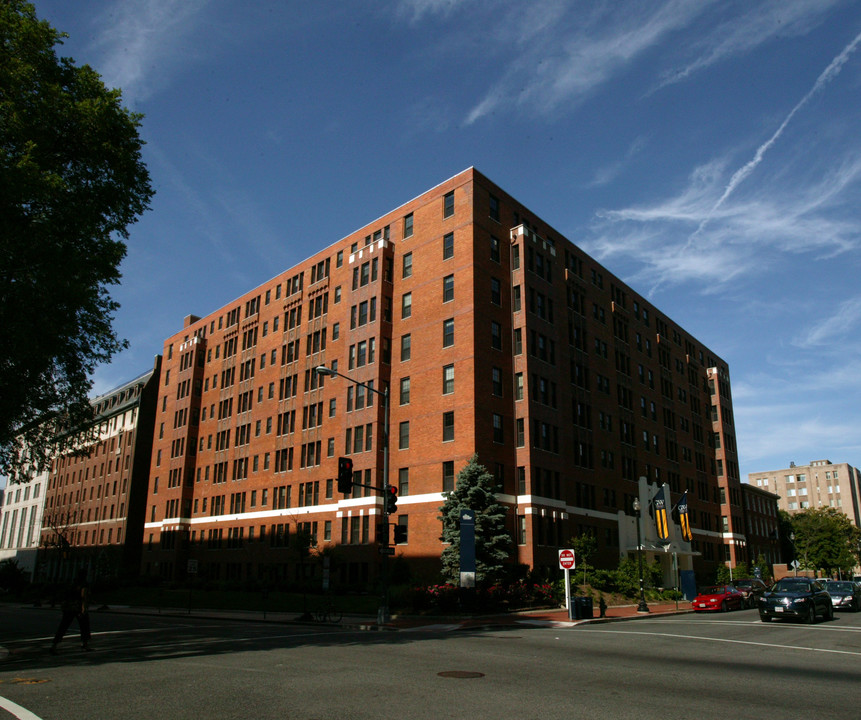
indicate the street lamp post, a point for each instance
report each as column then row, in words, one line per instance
column 642, row 607
column 383, row 610
column 794, row 553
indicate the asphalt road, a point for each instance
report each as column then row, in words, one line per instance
column 656, row 667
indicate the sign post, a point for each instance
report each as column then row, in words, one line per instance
column 467, row 548
column 567, row 563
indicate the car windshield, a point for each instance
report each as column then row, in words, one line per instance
column 743, row 583
column 791, row 586
column 844, row 586
column 712, row 590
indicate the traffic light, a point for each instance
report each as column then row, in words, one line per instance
column 391, row 499
column 345, row 475
column 400, row 534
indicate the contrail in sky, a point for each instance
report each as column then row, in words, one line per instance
column 741, row 174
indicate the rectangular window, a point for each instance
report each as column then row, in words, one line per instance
column 448, row 379
column 408, row 265
column 406, row 305
column 405, row 391
column 495, row 291
column 404, row 435
column 496, row 381
column 406, row 347
column 448, row 246
column 494, row 208
column 448, row 476
column 496, row 335
column 448, row 288
column 448, row 426
column 408, row 226
column 448, row 332
column 448, row 204
column 498, row 436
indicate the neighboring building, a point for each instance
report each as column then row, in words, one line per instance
column 761, row 525
column 817, row 485
column 495, row 336
column 96, row 493
column 20, row 522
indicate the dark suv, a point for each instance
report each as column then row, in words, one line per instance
column 752, row 589
column 798, row 598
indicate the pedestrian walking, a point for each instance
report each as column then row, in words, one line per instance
column 75, row 607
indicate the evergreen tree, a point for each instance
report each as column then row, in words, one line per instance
column 475, row 490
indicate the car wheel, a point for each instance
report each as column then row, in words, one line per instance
column 811, row 615
column 765, row 618
column 829, row 615
column 724, row 607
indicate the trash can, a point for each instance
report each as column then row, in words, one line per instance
column 583, row 608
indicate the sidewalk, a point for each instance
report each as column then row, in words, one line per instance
column 535, row 618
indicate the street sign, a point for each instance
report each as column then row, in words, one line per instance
column 566, row 559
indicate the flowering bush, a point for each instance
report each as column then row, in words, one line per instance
column 446, row 597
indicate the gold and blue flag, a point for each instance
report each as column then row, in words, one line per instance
column 662, row 515
column 684, row 520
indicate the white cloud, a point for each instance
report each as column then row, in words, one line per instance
column 141, row 39
column 579, row 51
column 761, row 22
column 842, row 324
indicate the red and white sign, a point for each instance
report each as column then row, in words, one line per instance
column 566, row 559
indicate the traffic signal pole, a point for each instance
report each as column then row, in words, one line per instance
column 385, row 549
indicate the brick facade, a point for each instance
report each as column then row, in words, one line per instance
column 495, row 335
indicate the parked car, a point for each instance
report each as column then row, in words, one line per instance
column 844, row 594
column 716, row 598
column 752, row 589
column 797, row 598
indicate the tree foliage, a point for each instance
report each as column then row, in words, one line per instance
column 825, row 539
column 475, row 490
column 71, row 181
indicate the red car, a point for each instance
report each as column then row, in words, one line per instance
column 718, row 598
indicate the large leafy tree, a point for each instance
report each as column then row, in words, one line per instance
column 71, row 181
column 475, row 490
column 825, row 539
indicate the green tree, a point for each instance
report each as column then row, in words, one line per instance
column 584, row 547
column 71, row 181
column 825, row 539
column 475, row 490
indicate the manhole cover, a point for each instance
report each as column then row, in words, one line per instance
column 460, row 674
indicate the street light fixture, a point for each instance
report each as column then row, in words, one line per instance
column 383, row 611
column 642, row 607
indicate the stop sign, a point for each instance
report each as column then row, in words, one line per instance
column 566, row 559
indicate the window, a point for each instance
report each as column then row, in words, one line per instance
column 448, row 379
column 407, row 305
column 404, row 435
column 448, row 204
column 403, row 529
column 448, row 288
column 406, row 347
column 518, row 386
column 404, row 481
column 448, row 426
column 515, row 298
column 494, row 248
column 405, row 391
column 448, row 246
column 496, row 381
column 408, row 265
column 495, row 291
column 448, row 476
column 498, row 436
column 496, row 335
column 448, row 332
column 408, row 226
column 494, row 208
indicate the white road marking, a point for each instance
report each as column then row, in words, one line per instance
column 17, row 711
column 726, row 640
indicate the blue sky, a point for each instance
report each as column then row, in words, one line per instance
column 708, row 153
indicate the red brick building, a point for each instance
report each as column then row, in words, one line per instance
column 97, row 487
column 494, row 335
